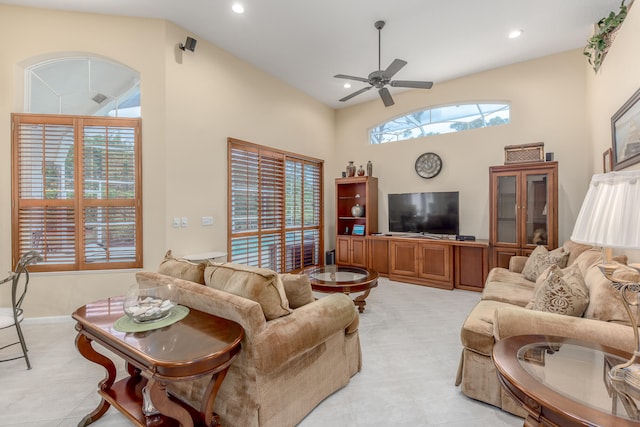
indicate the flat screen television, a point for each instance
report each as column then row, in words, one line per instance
column 433, row 212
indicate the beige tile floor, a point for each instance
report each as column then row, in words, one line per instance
column 410, row 347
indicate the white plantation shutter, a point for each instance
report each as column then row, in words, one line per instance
column 275, row 199
column 94, row 222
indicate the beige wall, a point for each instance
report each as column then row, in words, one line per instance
column 616, row 81
column 547, row 99
column 191, row 103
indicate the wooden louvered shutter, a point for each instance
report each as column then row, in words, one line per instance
column 77, row 191
column 275, row 201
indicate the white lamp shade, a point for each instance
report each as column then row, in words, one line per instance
column 610, row 213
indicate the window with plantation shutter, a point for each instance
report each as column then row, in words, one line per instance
column 77, row 191
column 275, row 204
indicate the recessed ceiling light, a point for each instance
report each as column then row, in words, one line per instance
column 237, row 8
column 515, row 34
column 347, row 85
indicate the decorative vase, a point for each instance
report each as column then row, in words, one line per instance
column 369, row 168
column 147, row 303
column 351, row 169
column 357, row 210
column 360, row 171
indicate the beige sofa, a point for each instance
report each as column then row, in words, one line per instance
column 501, row 313
column 296, row 350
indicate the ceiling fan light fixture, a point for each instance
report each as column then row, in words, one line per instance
column 238, row 8
column 347, row 85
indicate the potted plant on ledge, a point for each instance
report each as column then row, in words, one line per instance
column 598, row 44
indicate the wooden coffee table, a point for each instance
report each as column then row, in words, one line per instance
column 563, row 382
column 343, row 279
column 200, row 344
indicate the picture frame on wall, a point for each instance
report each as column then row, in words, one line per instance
column 625, row 133
column 607, row 160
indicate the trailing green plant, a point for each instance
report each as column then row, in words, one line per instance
column 598, row 44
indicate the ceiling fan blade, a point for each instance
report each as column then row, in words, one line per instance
column 386, row 97
column 412, row 84
column 395, row 66
column 344, row 76
column 356, row 93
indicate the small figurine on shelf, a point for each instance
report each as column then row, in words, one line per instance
column 360, row 171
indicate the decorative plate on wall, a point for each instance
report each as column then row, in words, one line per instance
column 428, row 165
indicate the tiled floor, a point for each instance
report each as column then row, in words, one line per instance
column 410, row 347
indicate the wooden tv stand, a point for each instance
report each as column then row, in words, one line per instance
column 440, row 263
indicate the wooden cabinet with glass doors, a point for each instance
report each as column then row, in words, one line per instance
column 357, row 217
column 523, row 209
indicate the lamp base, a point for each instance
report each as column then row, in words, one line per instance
column 625, row 382
column 629, row 375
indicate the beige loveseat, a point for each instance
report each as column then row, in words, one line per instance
column 296, row 351
column 501, row 313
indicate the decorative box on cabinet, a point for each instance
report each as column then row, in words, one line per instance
column 523, row 209
column 361, row 190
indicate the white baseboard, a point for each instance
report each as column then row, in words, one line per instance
column 48, row 319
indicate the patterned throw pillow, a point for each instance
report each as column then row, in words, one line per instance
column 540, row 259
column 562, row 292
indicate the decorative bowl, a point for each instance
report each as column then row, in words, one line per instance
column 148, row 302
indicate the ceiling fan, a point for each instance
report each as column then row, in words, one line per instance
column 381, row 78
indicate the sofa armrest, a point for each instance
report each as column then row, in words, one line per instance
column 516, row 263
column 512, row 321
column 306, row 328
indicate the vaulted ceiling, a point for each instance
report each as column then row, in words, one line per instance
column 305, row 43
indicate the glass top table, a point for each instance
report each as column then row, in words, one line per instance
column 344, row 279
column 565, row 382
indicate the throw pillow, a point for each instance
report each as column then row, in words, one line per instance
column 261, row 285
column 182, row 269
column 606, row 302
column 540, row 259
column 298, row 289
column 562, row 292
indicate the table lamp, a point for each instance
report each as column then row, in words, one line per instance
column 610, row 218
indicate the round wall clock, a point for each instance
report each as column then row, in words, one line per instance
column 428, row 165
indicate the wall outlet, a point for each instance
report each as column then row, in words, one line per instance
column 176, row 222
column 184, row 222
column 207, row 220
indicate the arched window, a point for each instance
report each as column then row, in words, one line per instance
column 83, row 86
column 77, row 177
column 439, row 120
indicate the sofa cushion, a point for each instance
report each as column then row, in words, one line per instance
column 477, row 331
column 298, row 289
column 257, row 284
column 182, row 269
column 606, row 303
column 541, row 258
column 561, row 292
column 574, row 249
column 508, row 292
column 594, row 256
column 506, row 286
